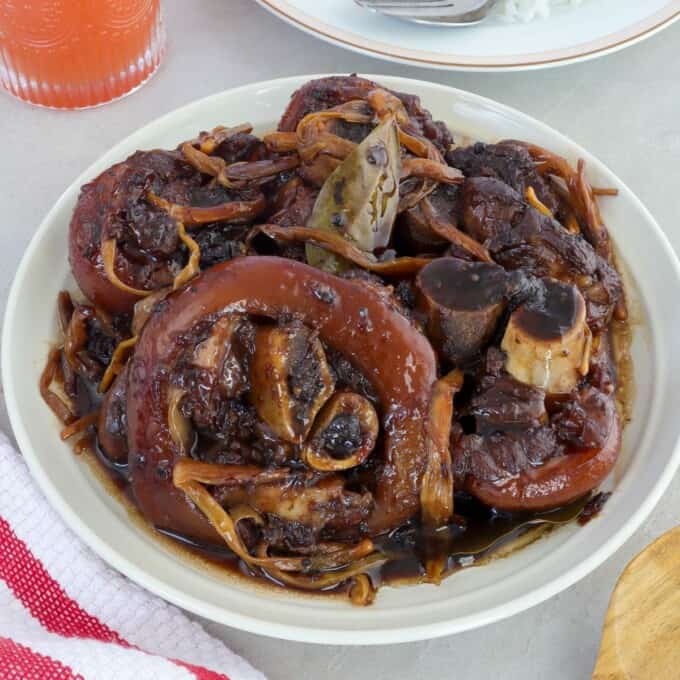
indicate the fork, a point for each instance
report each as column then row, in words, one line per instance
column 438, row 12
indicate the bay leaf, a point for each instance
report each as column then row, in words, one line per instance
column 360, row 198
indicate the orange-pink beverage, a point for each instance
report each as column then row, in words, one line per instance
column 76, row 53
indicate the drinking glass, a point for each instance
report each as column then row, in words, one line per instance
column 74, row 54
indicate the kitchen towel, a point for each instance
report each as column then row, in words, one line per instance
column 66, row 615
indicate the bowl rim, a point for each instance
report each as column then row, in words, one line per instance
column 257, row 624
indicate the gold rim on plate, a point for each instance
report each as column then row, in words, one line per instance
column 609, row 43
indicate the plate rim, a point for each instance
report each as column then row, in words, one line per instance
column 298, row 632
column 608, row 44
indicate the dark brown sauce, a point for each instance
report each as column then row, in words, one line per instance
column 479, row 535
column 593, row 507
column 552, row 314
column 408, row 548
column 470, row 286
column 621, row 334
column 117, row 473
column 484, row 292
column 480, row 532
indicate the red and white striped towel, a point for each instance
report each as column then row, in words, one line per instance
column 65, row 615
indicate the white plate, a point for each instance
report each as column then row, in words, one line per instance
column 471, row 598
column 590, row 30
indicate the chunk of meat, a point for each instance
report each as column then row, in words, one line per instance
column 539, row 468
column 273, row 287
column 115, row 207
column 489, row 207
column 508, row 162
column 220, row 242
column 347, row 376
column 446, row 202
column 240, row 147
column 520, row 237
column 325, row 93
column 138, row 225
column 321, row 503
column 412, row 230
column 100, row 344
column 292, row 207
column 289, row 536
column 503, row 403
column 543, row 248
column 294, row 204
column 502, row 455
column 214, row 374
column 583, row 422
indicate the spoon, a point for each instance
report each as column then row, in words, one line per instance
column 434, row 12
column 641, row 637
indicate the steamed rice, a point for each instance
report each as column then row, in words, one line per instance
column 526, row 10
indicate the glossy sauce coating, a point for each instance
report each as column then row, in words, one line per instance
column 453, row 387
column 138, row 205
column 556, row 482
column 84, row 241
column 553, row 313
column 351, row 318
column 574, row 471
column 468, row 286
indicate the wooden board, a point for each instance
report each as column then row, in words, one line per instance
column 641, row 637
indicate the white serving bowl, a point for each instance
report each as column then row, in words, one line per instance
column 471, row 598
